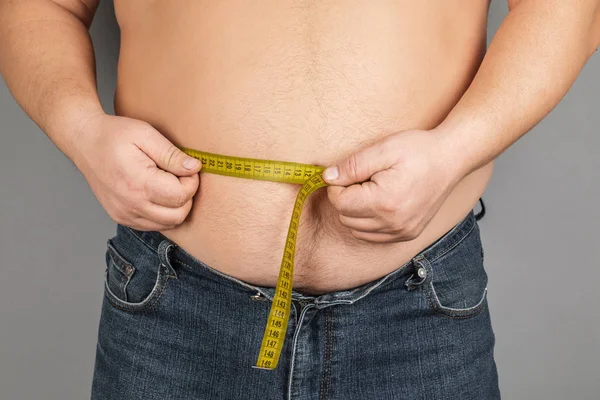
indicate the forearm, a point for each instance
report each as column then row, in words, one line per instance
column 47, row 61
column 533, row 60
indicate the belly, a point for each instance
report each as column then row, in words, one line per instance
column 302, row 81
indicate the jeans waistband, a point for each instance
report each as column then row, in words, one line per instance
column 441, row 246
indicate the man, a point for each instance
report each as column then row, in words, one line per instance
column 399, row 98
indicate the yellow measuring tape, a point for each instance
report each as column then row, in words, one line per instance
column 310, row 177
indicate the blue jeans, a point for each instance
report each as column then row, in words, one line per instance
column 172, row 327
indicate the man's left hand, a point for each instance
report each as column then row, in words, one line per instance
column 411, row 173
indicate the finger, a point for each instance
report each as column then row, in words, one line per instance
column 166, row 216
column 374, row 237
column 167, row 156
column 360, row 166
column 142, row 224
column 165, row 189
column 363, row 224
column 354, row 201
column 190, row 185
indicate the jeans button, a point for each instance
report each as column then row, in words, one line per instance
column 421, row 272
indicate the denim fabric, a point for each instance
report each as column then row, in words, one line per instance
column 172, row 327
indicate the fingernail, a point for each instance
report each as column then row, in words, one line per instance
column 330, row 174
column 190, row 163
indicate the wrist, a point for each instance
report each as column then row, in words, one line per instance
column 78, row 126
column 452, row 158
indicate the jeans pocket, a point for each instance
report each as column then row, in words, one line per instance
column 455, row 283
column 137, row 283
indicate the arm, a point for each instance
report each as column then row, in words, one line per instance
column 47, row 59
column 533, row 60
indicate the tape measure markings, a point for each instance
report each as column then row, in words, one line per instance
column 309, row 176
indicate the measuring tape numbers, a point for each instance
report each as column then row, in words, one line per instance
column 310, row 177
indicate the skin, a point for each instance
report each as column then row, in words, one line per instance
column 398, row 96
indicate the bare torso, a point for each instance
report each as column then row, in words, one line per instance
column 305, row 81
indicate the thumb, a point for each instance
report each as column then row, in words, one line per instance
column 169, row 157
column 359, row 167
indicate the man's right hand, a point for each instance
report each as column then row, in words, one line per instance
column 141, row 179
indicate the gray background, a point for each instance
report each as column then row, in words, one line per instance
column 540, row 238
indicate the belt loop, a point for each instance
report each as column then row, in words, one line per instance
column 163, row 254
